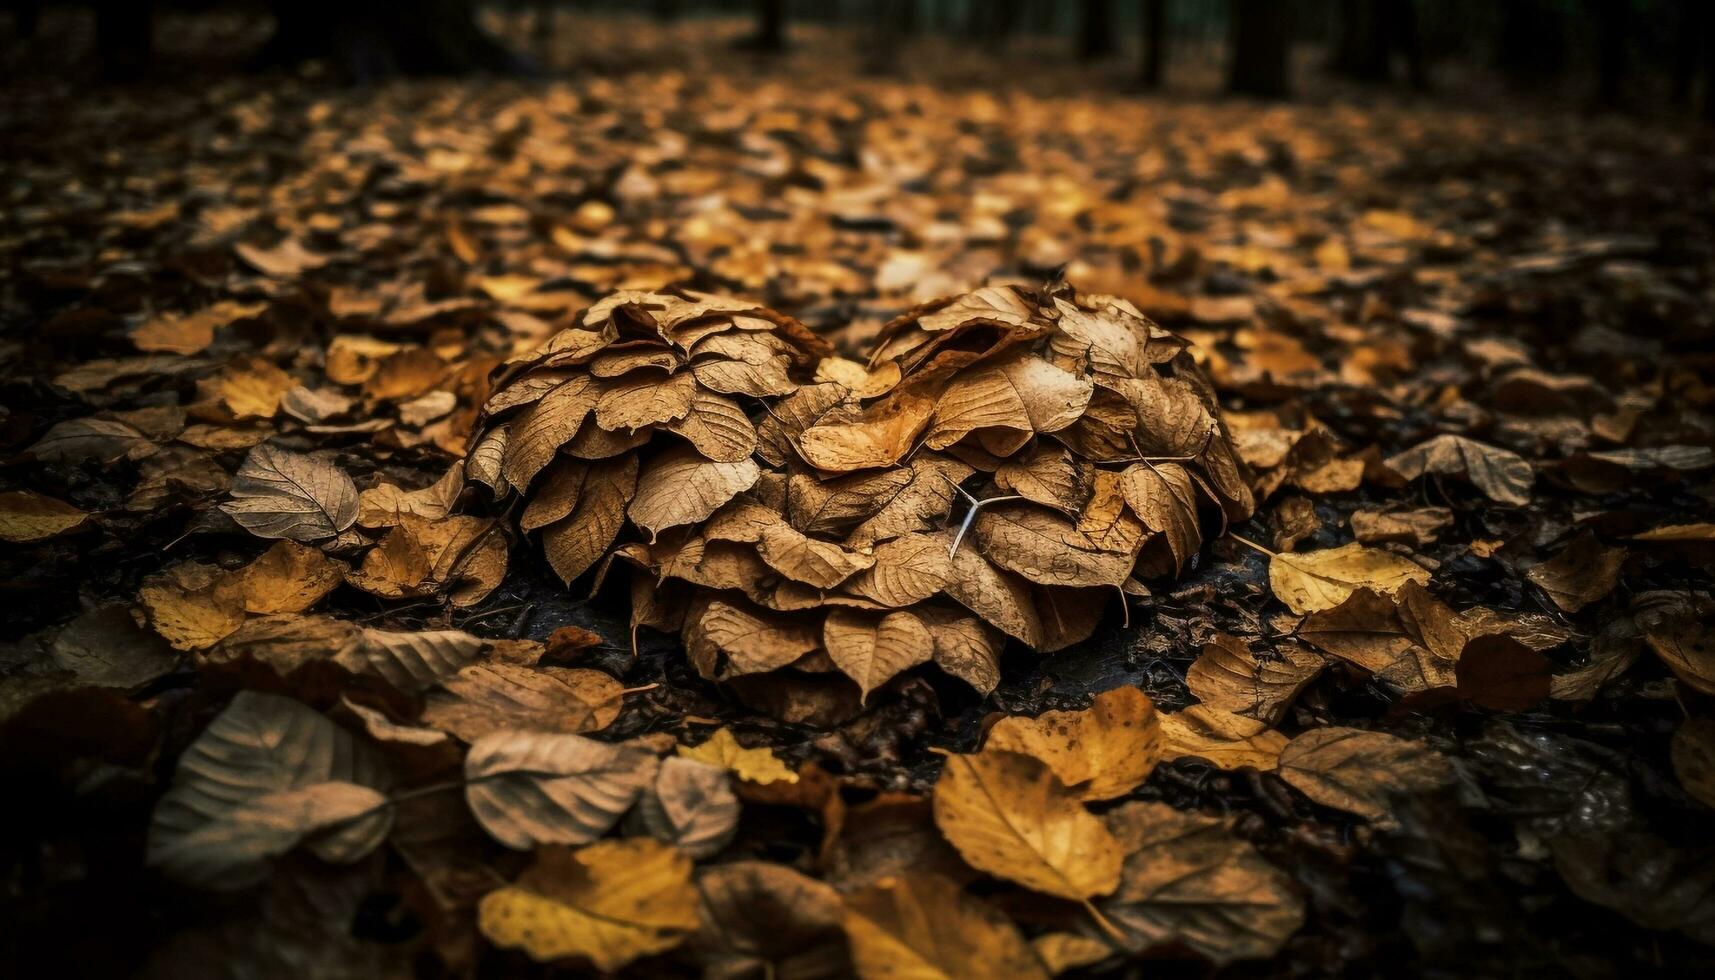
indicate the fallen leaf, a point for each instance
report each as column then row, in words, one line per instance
column 1504, row 477
column 1101, row 752
column 1583, row 572
column 1009, row 815
column 759, row 765
column 281, row 494
column 1692, row 750
column 533, row 788
column 922, row 925
column 1228, row 676
column 288, row 578
column 1227, row 740
column 27, row 517
column 609, row 903
column 1188, row 880
column 485, row 698
column 1355, row 770
column 1310, row 581
column 871, row 650
column 764, row 919
column 266, row 773
column 690, row 805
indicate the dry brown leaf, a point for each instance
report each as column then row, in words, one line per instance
column 1188, row 880
column 484, row 698
column 681, row 487
column 1101, row 752
column 1008, row 815
column 1227, row 740
column 281, row 494
column 1505, row 477
column 872, row 650
column 1355, row 770
column 577, row 541
column 1023, row 393
column 1164, row 498
column 1583, row 572
column 750, row 642
column 691, row 805
column 1228, row 676
column 531, row 788
column 763, row 919
column 193, row 606
column 881, row 437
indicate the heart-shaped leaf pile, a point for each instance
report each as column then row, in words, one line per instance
column 1004, row 463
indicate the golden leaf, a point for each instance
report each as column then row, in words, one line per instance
column 1227, row 740
column 1101, row 752
column 752, row 643
column 1309, row 581
column 1008, row 815
column 759, row 765
column 27, row 517
column 609, row 903
column 288, row 578
column 923, row 925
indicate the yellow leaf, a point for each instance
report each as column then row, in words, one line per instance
column 288, row 578
column 1007, row 814
column 1103, row 751
column 26, row 517
column 924, row 926
column 609, row 903
column 1229, row 741
column 1310, row 581
column 758, row 765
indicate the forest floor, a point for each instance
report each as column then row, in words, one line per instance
column 1443, row 705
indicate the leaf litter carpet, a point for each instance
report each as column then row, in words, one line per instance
column 1028, row 533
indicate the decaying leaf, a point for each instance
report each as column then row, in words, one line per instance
column 1582, row 573
column 1355, row 770
column 1187, row 879
column 1505, row 477
column 763, row 918
column 1228, row 676
column 1225, row 739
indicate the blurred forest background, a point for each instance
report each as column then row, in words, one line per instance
column 1639, row 55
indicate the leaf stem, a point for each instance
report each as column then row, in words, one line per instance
column 1103, row 922
column 1253, row 544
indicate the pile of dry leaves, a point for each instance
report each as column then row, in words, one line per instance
column 467, row 525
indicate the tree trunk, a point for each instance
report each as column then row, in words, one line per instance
column 770, row 26
column 1689, row 17
column 371, row 39
column 1708, row 67
column 1095, row 29
column 1154, row 21
column 1611, row 36
column 1361, row 42
column 1260, row 48
column 1533, row 41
